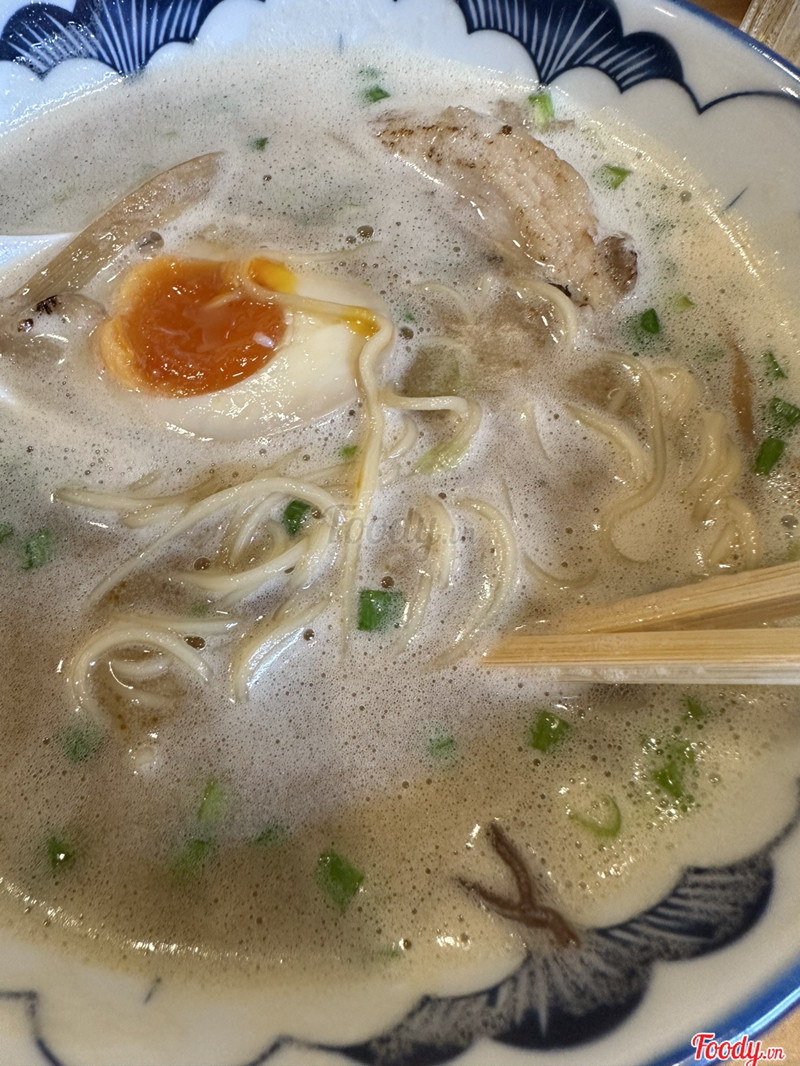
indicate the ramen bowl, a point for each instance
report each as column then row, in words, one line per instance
column 714, row 947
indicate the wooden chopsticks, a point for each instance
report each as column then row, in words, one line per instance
column 710, row 632
column 711, row 656
column 752, row 597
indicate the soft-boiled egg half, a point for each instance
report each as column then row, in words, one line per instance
column 236, row 349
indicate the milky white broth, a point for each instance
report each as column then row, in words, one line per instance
column 334, row 750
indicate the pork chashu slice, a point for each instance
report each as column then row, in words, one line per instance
column 527, row 198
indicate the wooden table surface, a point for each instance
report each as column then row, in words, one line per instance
column 732, row 10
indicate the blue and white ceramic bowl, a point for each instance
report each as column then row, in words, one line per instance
column 719, row 953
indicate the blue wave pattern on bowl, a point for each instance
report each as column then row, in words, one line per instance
column 565, row 992
column 563, row 34
column 572, row 986
column 125, row 34
column 122, row 34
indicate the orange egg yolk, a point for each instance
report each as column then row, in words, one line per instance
column 183, row 327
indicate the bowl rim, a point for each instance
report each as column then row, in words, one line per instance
column 781, row 995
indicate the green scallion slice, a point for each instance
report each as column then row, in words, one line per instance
column 379, row 609
column 213, row 803
column 769, row 455
column 682, row 302
column 347, row 452
column 443, row 748
column 374, row 94
column 81, row 741
column 649, row 322
column 38, row 549
column 783, row 415
column 338, row 879
column 694, row 710
column 773, row 370
column 192, row 857
column 543, row 113
column 606, row 824
column 612, row 177
column 670, row 776
column 6, row 531
column 259, row 143
column 294, row 516
column 547, row 731
column 643, row 331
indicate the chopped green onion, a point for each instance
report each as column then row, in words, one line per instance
column 443, row 748
column 273, row 835
column 338, row 879
column 648, row 321
column 379, row 609
column 612, row 177
column 774, row 370
column 259, row 143
column 695, row 711
column 191, row 859
column 784, row 416
column 199, row 610
column 769, row 455
column 682, row 303
column 547, row 731
column 643, row 330
column 542, row 110
column 80, row 742
column 348, row 452
column 37, row 549
column 670, row 778
column 213, row 803
column 671, row 775
column 294, row 516
column 374, row 94
column 60, row 853
column 609, row 822
column 5, row 531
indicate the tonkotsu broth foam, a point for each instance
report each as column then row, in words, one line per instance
column 394, row 766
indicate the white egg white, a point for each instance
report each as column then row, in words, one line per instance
column 311, row 375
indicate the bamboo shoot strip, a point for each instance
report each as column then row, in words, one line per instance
column 725, row 601
column 713, row 656
column 157, row 201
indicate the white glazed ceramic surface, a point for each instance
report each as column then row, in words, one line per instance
column 709, row 94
